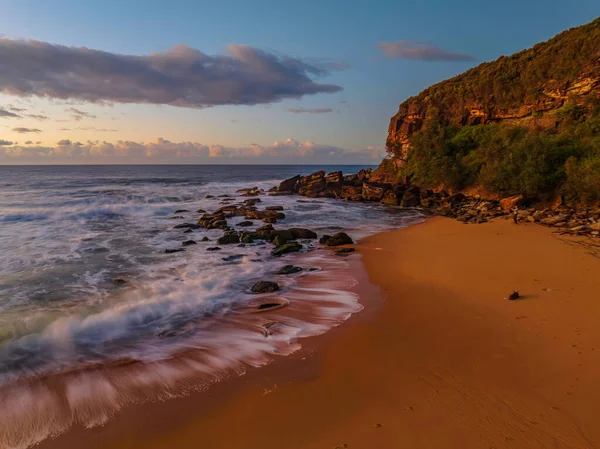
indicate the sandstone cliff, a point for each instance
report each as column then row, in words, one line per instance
column 526, row 89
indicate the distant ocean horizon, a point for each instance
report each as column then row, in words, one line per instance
column 180, row 321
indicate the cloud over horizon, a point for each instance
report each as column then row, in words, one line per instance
column 309, row 111
column 181, row 76
column 22, row 130
column 420, row 51
column 165, row 151
column 5, row 113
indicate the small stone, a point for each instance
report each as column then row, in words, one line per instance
column 289, row 269
column 119, row 281
column 265, row 287
column 514, row 295
column 181, row 211
column 245, row 223
column 188, row 243
column 174, row 250
column 345, row 251
column 213, row 248
column 205, row 239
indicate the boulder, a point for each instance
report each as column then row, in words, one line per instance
column 341, row 238
column 312, row 185
column 230, row 237
column 281, row 237
column 244, row 224
column 509, row 203
column 188, row 243
column 324, row 239
column 390, row 198
column 352, row 193
column 372, row 192
column 289, row 269
column 205, row 239
column 411, row 197
column 289, row 185
column 252, row 191
column 292, row 247
column 265, row 287
column 301, row 233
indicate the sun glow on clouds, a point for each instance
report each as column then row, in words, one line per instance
column 165, row 151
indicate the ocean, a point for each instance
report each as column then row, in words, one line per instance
column 76, row 348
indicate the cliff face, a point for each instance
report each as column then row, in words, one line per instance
column 526, row 89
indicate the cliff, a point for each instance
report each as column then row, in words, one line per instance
column 526, row 89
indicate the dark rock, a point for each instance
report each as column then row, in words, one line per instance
column 187, row 231
column 186, row 226
column 245, row 224
column 341, row 238
column 345, row 250
column 371, row 192
column 252, row 191
column 119, row 281
column 274, row 208
column 514, row 295
column 208, row 196
column 205, row 239
column 301, row 233
column 234, row 257
column 292, row 247
column 390, row 198
column 213, row 248
column 411, row 197
column 352, row 193
column 312, row 185
column 181, row 211
column 324, row 239
column 188, row 243
column 281, row 237
column 175, row 250
column 230, row 237
column 201, row 211
column 289, row 269
column 289, row 185
column 265, row 287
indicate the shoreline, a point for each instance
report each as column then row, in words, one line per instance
column 440, row 349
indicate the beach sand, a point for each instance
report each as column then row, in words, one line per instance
column 439, row 358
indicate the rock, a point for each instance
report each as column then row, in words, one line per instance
column 274, row 208
column 581, row 228
column 390, row 198
column 509, row 203
column 187, row 226
column 213, row 248
column 324, row 239
column 553, row 221
column 292, row 247
column 411, row 197
column 234, row 257
column 265, row 287
column 175, row 250
column 289, row 269
column 334, row 183
column 289, row 185
column 595, row 226
column 312, row 185
column 514, row 295
column 268, row 214
column 187, row 231
column 281, row 237
column 205, row 239
column 345, row 250
column 119, row 281
column 201, row 211
column 371, row 192
column 229, row 238
column 301, row 233
column 252, row 191
column 245, row 224
column 252, row 201
column 341, row 238
column 352, row 193
column 364, row 175
column 181, row 211
column 531, row 219
column 188, row 243
column 208, row 196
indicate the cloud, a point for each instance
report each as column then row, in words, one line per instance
column 5, row 113
column 12, row 108
column 309, row 111
column 38, row 117
column 289, row 151
column 181, row 76
column 420, row 51
column 5, row 142
column 29, row 142
column 26, row 130
column 78, row 114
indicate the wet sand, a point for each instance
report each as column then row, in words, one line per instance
column 438, row 358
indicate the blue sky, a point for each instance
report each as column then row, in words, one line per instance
column 313, row 31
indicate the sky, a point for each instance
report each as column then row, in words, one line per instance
column 238, row 81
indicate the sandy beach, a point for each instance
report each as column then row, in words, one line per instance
column 439, row 358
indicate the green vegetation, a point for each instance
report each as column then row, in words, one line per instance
column 523, row 78
column 508, row 159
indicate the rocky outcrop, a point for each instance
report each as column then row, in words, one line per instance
column 527, row 88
